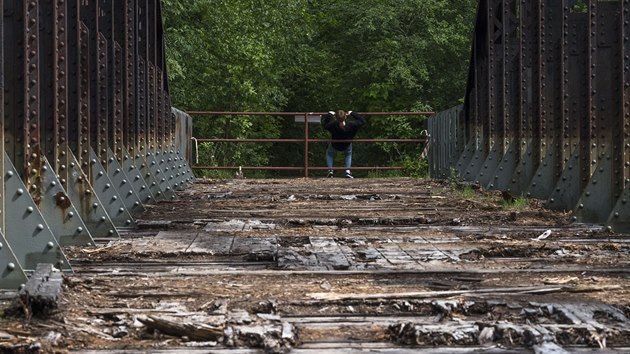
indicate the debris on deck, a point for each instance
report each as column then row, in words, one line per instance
column 332, row 266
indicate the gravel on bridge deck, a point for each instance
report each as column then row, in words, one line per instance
column 340, row 266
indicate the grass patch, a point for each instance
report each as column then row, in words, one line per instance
column 468, row 193
column 520, row 203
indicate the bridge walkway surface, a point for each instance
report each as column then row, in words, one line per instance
column 340, row 266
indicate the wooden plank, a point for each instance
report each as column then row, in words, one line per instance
column 329, row 254
column 175, row 241
column 40, row 294
column 192, row 331
column 249, row 245
column 517, row 291
column 206, row 242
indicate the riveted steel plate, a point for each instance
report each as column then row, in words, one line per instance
column 56, row 207
column 88, row 203
column 109, row 195
column 138, row 165
column 506, row 168
column 11, row 272
column 124, row 184
column 27, row 232
column 162, row 178
column 140, row 183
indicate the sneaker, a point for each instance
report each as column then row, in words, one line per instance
column 349, row 175
column 330, row 174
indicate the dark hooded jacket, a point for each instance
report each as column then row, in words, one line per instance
column 346, row 133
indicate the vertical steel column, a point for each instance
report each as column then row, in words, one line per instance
column 142, row 78
column 576, row 78
column 97, row 15
column 147, row 157
column 477, row 83
column 85, row 126
column 552, row 100
column 603, row 189
column 28, row 234
column 484, row 79
column 116, row 128
column 133, row 162
column 512, row 88
column 123, row 198
column 531, row 91
column 159, row 186
column 469, row 111
column 11, row 272
column 181, row 170
column 160, row 119
column 80, row 188
column 104, row 80
column 496, row 119
column 165, row 160
column 129, row 94
column 48, row 179
column 619, row 220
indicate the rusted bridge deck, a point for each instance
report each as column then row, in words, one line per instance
column 337, row 266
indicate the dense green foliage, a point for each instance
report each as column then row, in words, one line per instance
column 305, row 55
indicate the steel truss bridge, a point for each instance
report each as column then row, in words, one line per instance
column 89, row 133
column 547, row 107
column 90, row 136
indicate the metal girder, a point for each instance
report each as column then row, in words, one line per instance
column 619, row 218
column 497, row 37
column 568, row 188
column 89, row 134
column 602, row 190
column 547, row 107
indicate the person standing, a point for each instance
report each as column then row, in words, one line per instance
column 341, row 128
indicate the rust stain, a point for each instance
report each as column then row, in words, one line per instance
column 62, row 200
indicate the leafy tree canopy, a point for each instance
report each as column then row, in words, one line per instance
column 315, row 55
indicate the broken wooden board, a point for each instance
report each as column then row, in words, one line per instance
column 40, row 295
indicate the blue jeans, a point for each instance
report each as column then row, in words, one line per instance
column 330, row 155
